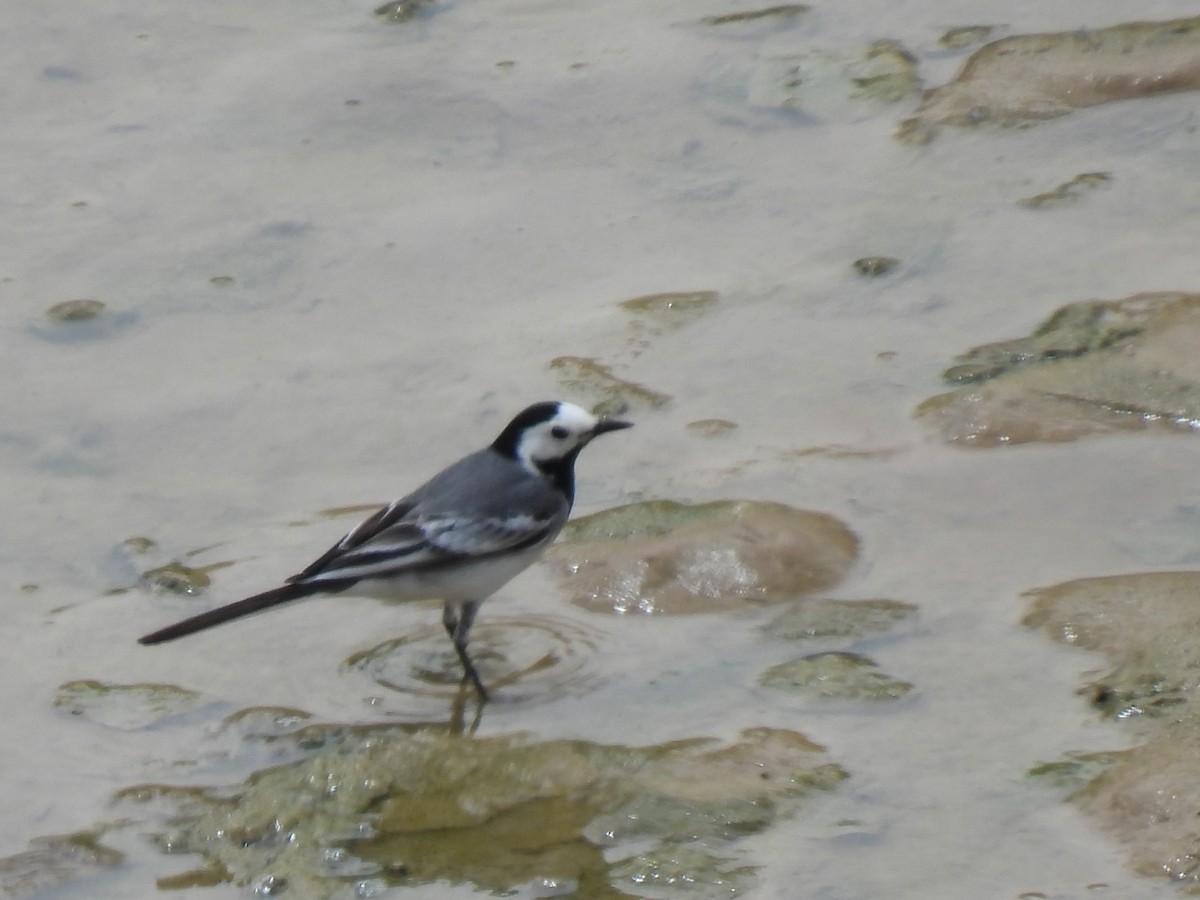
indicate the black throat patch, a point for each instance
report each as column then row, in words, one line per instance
column 561, row 473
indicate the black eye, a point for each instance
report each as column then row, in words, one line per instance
column 559, row 432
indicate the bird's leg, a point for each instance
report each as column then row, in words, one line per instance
column 450, row 618
column 457, row 623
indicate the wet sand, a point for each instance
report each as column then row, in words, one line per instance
column 336, row 253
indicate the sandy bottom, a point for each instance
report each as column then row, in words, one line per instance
column 337, row 254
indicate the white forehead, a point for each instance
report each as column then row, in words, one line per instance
column 573, row 417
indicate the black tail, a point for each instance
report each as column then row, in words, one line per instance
column 265, row 600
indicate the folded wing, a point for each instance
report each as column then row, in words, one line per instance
column 399, row 539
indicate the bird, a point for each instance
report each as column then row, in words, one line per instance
column 458, row 538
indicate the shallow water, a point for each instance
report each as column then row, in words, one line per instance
column 413, row 231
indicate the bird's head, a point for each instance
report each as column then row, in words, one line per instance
column 546, row 437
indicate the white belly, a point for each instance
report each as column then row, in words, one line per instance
column 469, row 581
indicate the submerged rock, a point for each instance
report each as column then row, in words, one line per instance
column 1028, row 78
column 675, row 866
column 1146, row 626
column 129, row 706
column 667, row 557
column 404, row 806
column 1091, row 368
column 1072, row 330
column 841, row 675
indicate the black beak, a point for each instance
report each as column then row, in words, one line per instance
column 605, row 425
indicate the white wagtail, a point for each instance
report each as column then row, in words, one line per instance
column 457, row 538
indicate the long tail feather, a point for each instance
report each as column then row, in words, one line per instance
column 246, row 607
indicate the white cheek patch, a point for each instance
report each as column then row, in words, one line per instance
column 539, row 443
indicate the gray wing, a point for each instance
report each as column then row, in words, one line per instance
column 430, row 528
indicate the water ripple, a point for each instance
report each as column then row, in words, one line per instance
column 521, row 660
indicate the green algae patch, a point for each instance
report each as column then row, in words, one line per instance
column 874, row 266
column 1074, row 770
column 1024, row 79
column 650, row 518
column 177, row 578
column 785, row 11
column 399, row 11
column 711, row 428
column 138, row 545
column 835, row 83
column 610, row 394
column 667, row 557
column 965, row 36
column 79, row 321
column 670, row 310
column 54, row 862
column 1145, row 627
column 1067, row 192
column 355, row 509
column 265, row 723
column 653, row 315
column 138, row 554
column 835, row 675
column 128, row 706
column 1091, row 368
column 824, row 618
column 395, row 806
column 75, row 311
column 838, row 451
column 1073, row 330
column 887, row 73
